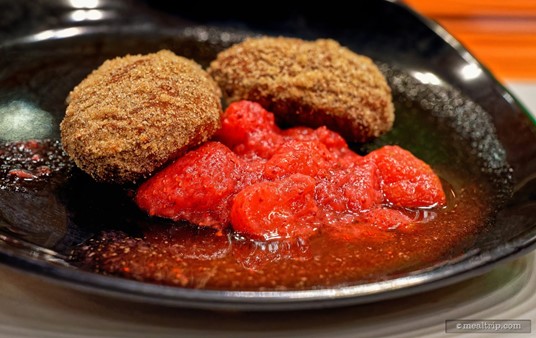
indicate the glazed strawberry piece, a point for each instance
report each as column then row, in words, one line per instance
column 333, row 141
column 352, row 190
column 249, row 130
column 310, row 158
column 282, row 209
column 198, row 187
column 342, row 156
column 407, row 181
column 243, row 118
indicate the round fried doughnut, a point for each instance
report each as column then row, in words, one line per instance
column 135, row 113
column 312, row 83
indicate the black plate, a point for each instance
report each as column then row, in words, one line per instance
column 48, row 49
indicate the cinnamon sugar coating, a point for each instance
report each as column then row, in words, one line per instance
column 135, row 113
column 312, row 83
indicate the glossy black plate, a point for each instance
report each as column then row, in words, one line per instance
column 47, row 49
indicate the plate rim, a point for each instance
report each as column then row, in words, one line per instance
column 473, row 264
column 127, row 289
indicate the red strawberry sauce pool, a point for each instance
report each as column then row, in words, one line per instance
column 287, row 209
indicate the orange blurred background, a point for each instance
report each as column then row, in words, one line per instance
column 500, row 33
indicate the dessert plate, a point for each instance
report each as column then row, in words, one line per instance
column 442, row 94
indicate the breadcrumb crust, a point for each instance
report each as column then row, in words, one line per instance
column 312, row 83
column 135, row 113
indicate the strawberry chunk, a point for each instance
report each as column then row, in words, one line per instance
column 407, row 181
column 198, row 187
column 249, row 130
column 333, row 141
column 280, row 209
column 310, row 158
column 351, row 190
